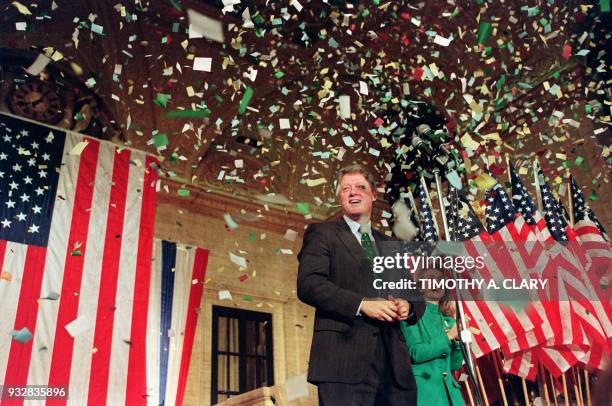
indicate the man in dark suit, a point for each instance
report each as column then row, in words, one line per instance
column 358, row 354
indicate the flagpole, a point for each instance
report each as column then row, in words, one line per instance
column 436, row 172
column 536, row 164
column 554, row 388
column 524, row 385
column 507, row 156
column 579, row 378
column 542, row 374
column 575, row 385
column 469, row 392
column 570, row 198
column 482, row 387
column 496, row 362
column 464, row 332
column 565, row 391
column 587, row 385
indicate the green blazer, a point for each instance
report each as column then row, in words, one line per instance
column 433, row 358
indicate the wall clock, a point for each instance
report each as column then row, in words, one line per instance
column 36, row 100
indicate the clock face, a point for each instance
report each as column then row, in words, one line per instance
column 36, row 100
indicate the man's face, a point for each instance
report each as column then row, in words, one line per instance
column 356, row 196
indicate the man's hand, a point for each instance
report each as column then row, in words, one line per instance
column 383, row 310
column 403, row 307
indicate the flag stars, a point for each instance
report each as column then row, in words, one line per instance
column 13, row 185
column 42, row 173
column 7, row 138
column 27, row 180
column 3, row 156
column 5, row 223
column 25, row 198
column 21, row 217
column 46, row 156
column 34, row 228
column 39, row 191
column 35, row 145
column 31, row 162
column 10, row 204
column 17, row 168
column 37, row 209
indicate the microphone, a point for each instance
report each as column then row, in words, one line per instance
column 440, row 154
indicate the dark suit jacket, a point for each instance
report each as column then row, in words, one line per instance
column 334, row 276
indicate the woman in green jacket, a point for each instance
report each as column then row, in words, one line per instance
column 433, row 348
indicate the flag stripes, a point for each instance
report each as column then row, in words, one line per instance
column 177, row 282
column 88, row 281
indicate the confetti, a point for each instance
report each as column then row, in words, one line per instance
column 22, row 336
column 39, row 65
column 78, row 326
column 79, row 148
column 201, row 26
column 202, row 64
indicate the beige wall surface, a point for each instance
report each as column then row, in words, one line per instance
column 271, row 284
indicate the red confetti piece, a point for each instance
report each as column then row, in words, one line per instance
column 567, row 51
column 418, row 73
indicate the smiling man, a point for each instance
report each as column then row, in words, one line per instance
column 358, row 355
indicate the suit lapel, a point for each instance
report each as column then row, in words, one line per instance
column 349, row 240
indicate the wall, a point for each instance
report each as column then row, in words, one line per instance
column 271, row 284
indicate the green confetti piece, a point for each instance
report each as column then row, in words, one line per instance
column 251, row 236
column 484, row 30
column 500, row 82
column 278, row 74
column 579, row 160
column 588, row 108
column 76, row 253
column 161, row 99
column 247, row 298
column 188, row 114
column 183, row 192
column 604, row 5
column 177, row 5
column 303, row 207
column 22, row 336
column 160, row 140
column 593, row 195
column 246, row 98
column 98, row 29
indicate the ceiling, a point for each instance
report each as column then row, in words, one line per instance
column 484, row 69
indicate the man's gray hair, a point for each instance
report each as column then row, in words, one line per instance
column 355, row 168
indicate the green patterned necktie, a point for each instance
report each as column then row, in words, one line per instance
column 368, row 247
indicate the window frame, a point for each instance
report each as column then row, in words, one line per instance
column 242, row 316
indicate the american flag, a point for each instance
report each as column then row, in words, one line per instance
column 598, row 251
column 584, row 217
column 525, row 205
column 177, row 282
column 553, row 213
column 581, row 330
column 76, row 236
column 429, row 229
column 496, row 325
